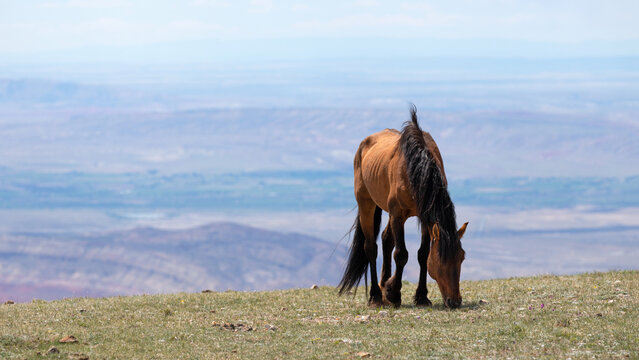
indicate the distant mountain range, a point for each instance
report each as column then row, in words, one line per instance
column 218, row 256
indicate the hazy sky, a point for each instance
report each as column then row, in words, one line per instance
column 36, row 25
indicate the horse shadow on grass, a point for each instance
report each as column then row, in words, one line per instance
column 466, row 305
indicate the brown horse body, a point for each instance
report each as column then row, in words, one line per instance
column 402, row 173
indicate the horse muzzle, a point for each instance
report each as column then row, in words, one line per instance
column 453, row 303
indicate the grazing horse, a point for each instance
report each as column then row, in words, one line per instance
column 402, row 173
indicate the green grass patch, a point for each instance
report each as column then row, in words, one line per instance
column 581, row 316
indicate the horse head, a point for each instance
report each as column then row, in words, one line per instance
column 446, row 272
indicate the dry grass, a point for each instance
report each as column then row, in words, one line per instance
column 582, row 316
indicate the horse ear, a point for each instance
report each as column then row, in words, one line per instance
column 435, row 232
column 462, row 230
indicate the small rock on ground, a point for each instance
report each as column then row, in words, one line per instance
column 68, row 339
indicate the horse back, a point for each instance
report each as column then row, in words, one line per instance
column 380, row 171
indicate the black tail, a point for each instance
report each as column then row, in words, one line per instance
column 429, row 188
column 357, row 260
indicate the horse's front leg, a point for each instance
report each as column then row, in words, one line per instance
column 393, row 287
column 421, row 295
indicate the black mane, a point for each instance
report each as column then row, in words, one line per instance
column 429, row 187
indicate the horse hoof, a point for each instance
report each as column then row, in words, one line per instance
column 392, row 298
column 375, row 302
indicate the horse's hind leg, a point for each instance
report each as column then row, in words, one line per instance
column 388, row 243
column 421, row 295
column 368, row 218
column 393, row 287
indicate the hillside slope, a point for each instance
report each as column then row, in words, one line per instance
column 217, row 256
column 582, row 316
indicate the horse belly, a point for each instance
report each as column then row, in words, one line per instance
column 375, row 178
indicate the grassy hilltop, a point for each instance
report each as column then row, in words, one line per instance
column 581, row 316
